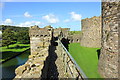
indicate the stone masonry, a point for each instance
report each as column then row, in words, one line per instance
column 108, row 62
column 40, row 40
column 47, row 60
column 63, row 32
column 57, row 32
column 91, row 32
column 75, row 38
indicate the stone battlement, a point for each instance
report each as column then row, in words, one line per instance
column 35, row 31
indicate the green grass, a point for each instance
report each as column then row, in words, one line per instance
column 13, row 50
column 74, row 32
column 86, row 58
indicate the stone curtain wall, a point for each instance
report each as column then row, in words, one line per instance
column 91, row 32
column 75, row 38
column 108, row 62
column 69, row 68
column 40, row 40
column 57, row 32
column 65, row 32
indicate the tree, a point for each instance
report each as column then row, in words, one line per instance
column 7, row 37
column 23, row 37
column 16, row 34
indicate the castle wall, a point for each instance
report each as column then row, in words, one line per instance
column 75, row 38
column 91, row 32
column 67, row 64
column 40, row 40
column 108, row 62
column 57, row 32
column 65, row 32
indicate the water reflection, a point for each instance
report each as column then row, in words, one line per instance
column 8, row 68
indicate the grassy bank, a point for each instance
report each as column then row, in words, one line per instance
column 87, row 59
column 13, row 50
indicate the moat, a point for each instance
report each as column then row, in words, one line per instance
column 8, row 68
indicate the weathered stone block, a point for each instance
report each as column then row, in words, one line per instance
column 40, row 44
column 19, row 70
column 46, row 44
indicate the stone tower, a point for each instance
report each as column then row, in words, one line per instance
column 40, row 41
column 91, row 32
column 108, row 61
column 39, row 38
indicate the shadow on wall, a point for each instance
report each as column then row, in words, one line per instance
column 50, row 69
column 65, row 43
column 98, row 53
column 56, row 38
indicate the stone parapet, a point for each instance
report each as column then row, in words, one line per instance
column 70, row 67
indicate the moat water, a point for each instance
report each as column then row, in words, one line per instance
column 8, row 67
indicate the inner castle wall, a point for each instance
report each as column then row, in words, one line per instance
column 75, row 38
column 91, row 32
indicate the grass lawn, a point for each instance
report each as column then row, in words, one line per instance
column 87, row 59
column 12, row 50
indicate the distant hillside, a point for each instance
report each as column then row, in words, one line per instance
column 74, row 32
column 13, row 28
column 13, row 34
